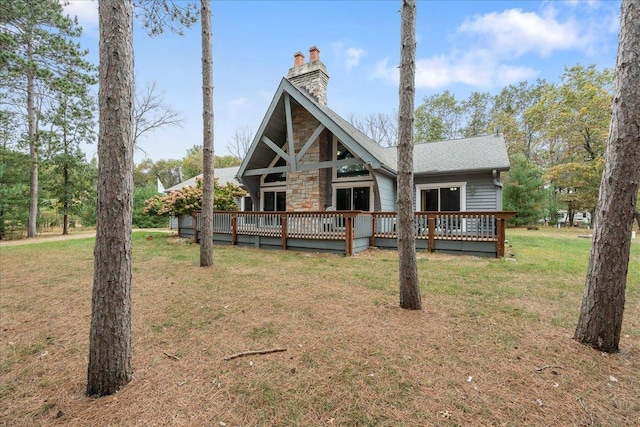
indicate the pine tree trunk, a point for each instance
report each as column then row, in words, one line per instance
column 32, row 227
column 65, row 203
column 110, row 339
column 408, row 269
column 206, row 215
column 601, row 313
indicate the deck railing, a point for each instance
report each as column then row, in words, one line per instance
column 351, row 225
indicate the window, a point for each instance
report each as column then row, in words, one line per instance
column 348, row 171
column 274, row 201
column 449, row 197
column 353, row 198
column 277, row 176
column 248, row 204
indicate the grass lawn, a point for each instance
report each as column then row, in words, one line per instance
column 492, row 347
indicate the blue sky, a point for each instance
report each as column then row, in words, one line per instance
column 463, row 46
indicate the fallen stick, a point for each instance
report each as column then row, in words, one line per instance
column 171, row 356
column 251, row 352
column 548, row 367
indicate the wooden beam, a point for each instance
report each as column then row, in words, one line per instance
column 262, row 171
column 303, row 167
column 292, row 151
column 328, row 164
column 309, row 142
column 275, row 147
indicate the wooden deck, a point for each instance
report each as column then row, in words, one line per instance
column 348, row 232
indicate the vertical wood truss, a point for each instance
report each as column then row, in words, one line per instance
column 292, row 151
column 291, row 157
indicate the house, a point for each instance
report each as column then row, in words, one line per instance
column 315, row 182
column 305, row 157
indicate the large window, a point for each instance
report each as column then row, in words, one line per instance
column 274, row 201
column 441, row 197
column 353, row 198
column 348, row 171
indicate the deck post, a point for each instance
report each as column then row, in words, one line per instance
column 348, row 237
column 372, row 239
column 431, row 223
column 284, row 231
column 500, row 237
column 234, row 229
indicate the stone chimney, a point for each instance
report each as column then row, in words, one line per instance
column 312, row 76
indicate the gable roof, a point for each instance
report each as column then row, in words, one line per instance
column 224, row 176
column 478, row 153
column 274, row 127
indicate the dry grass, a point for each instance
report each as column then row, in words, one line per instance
column 492, row 347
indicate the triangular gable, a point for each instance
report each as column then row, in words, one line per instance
column 276, row 124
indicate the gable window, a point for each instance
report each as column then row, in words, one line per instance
column 348, row 171
column 449, row 197
column 276, row 176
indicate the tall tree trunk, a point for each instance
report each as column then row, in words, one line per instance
column 600, row 320
column 206, row 216
column 65, row 203
column 408, row 269
column 32, row 230
column 110, row 339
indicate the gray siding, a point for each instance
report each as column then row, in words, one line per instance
column 482, row 194
column 387, row 189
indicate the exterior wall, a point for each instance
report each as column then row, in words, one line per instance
column 307, row 190
column 482, row 194
column 387, row 191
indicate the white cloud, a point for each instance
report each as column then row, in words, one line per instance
column 353, row 57
column 86, row 11
column 514, row 32
column 474, row 69
column 384, row 71
column 489, row 50
column 350, row 55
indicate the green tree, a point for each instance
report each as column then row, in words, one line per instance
column 140, row 218
column 226, row 161
column 71, row 122
column 524, row 191
column 509, row 115
column 476, row 112
column 438, row 117
column 573, row 117
column 14, row 192
column 192, row 162
column 38, row 54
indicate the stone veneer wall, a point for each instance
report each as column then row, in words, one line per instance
column 307, row 190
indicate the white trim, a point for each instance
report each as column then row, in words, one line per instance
column 334, row 170
column 354, row 184
column 463, row 193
